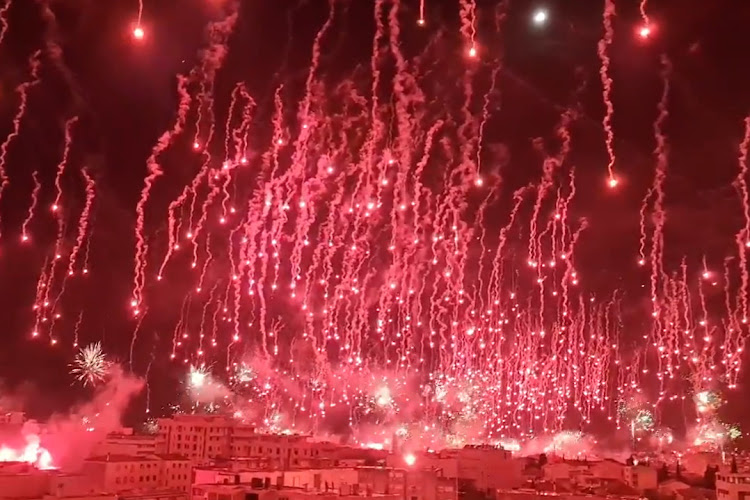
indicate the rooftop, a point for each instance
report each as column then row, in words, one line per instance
column 171, row 456
column 120, row 458
column 120, row 435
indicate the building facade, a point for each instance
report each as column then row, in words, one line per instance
column 733, row 486
column 120, row 473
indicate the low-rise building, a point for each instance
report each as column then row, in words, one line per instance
column 246, row 491
column 119, row 473
column 488, row 468
column 405, row 484
column 207, row 438
column 732, row 486
column 640, row 477
column 126, row 443
column 12, row 417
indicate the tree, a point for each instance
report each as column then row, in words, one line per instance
column 663, row 473
column 734, row 465
column 542, row 459
column 709, row 477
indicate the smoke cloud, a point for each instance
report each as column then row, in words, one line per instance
column 70, row 438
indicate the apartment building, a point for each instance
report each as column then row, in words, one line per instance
column 118, row 473
column 733, row 486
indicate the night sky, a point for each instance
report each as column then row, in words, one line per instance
column 124, row 92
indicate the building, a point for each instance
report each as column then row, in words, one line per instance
column 640, row 477
column 22, row 480
column 87, row 496
column 120, row 473
column 732, row 486
column 155, row 495
column 488, row 467
column 209, row 438
column 12, row 418
column 247, row 491
column 127, row 443
column 281, row 451
column 345, row 481
column 198, row 437
column 576, row 472
column 607, row 469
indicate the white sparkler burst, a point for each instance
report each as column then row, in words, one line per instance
column 90, row 365
column 198, row 376
column 244, row 374
column 383, row 396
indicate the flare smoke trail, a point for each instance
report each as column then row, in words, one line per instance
column 743, row 236
column 32, row 207
column 4, row 19
column 603, row 51
column 83, row 222
column 154, row 172
column 23, row 95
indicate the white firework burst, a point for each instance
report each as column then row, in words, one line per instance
column 90, row 365
column 198, row 377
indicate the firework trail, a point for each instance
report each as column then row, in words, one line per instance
column 32, row 207
column 358, row 221
column 212, row 59
column 23, row 94
column 134, row 337
column 642, row 241
column 4, row 19
column 644, row 15
column 90, row 365
column 77, row 329
column 61, row 170
column 743, row 236
column 421, row 20
column 60, row 220
column 83, row 222
column 468, row 10
column 154, row 172
column 603, row 51
column 658, row 215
